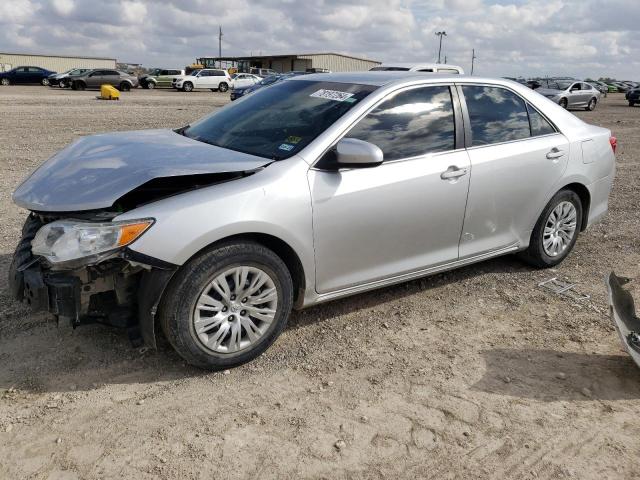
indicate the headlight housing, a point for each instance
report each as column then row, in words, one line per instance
column 67, row 240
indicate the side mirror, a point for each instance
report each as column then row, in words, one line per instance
column 354, row 153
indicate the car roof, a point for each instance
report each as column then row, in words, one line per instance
column 382, row 78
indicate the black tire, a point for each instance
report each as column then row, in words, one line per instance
column 631, row 104
column 179, row 300
column 62, row 84
column 223, row 87
column 187, row 87
column 80, row 85
column 22, row 255
column 44, row 82
column 535, row 254
column 5, row 82
column 150, row 85
column 591, row 106
column 124, row 87
column 564, row 103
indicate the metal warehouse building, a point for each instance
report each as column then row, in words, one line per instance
column 336, row 62
column 56, row 63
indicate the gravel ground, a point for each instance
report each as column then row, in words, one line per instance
column 476, row 373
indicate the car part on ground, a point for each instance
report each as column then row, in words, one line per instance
column 564, row 288
column 623, row 315
column 318, row 185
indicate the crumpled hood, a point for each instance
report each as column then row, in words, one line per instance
column 95, row 171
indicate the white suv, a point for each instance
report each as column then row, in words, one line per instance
column 211, row 78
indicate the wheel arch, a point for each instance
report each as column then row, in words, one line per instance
column 585, row 198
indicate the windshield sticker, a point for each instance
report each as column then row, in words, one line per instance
column 286, row 147
column 293, row 139
column 332, row 95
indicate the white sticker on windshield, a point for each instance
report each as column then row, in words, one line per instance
column 332, row 95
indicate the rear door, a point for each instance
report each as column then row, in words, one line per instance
column 112, row 77
column 402, row 216
column 517, row 156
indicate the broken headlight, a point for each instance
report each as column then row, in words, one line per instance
column 66, row 240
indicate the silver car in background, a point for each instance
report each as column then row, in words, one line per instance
column 312, row 189
column 571, row 94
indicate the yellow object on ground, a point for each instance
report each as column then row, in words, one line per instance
column 108, row 92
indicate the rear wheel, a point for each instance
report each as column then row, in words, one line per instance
column 80, row 85
column 187, row 86
column 227, row 305
column 564, row 103
column 223, row 87
column 591, row 106
column 124, row 87
column 631, row 104
column 556, row 230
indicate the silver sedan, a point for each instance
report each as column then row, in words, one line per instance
column 571, row 94
column 312, row 189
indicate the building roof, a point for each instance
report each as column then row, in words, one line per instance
column 285, row 55
column 55, row 56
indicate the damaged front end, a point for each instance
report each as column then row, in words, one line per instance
column 624, row 316
column 116, row 287
column 73, row 258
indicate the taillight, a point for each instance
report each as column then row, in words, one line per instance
column 614, row 143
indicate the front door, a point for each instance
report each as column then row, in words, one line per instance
column 95, row 78
column 517, row 157
column 404, row 215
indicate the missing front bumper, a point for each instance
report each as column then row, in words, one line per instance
column 622, row 308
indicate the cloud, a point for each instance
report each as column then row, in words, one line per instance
column 511, row 37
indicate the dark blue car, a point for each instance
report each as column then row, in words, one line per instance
column 25, row 75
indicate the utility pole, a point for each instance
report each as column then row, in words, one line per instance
column 440, row 34
column 445, row 59
column 473, row 57
column 220, row 47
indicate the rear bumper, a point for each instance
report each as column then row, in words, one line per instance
column 623, row 315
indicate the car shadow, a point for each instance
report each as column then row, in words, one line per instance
column 550, row 375
column 374, row 298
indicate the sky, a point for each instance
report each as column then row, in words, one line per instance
column 581, row 38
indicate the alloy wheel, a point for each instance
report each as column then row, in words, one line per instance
column 235, row 309
column 5, row 81
column 559, row 229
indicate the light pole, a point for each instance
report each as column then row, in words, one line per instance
column 440, row 34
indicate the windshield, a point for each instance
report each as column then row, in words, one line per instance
column 279, row 121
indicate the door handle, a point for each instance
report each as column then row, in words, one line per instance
column 453, row 172
column 554, row 153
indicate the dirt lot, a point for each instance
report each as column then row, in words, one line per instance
column 476, row 373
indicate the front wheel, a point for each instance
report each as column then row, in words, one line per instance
column 556, row 231
column 5, row 81
column 564, row 103
column 62, row 84
column 187, row 86
column 124, row 87
column 150, row 85
column 227, row 305
column 44, row 82
column 223, row 87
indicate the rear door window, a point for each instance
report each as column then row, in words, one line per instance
column 411, row 123
column 539, row 124
column 496, row 115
